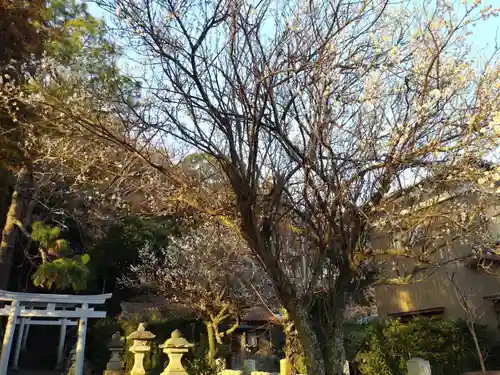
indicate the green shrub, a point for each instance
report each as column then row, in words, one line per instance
column 373, row 349
column 199, row 365
column 446, row 344
column 384, row 348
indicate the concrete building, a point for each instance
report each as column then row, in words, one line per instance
column 466, row 265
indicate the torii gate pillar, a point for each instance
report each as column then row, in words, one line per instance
column 57, row 309
column 9, row 337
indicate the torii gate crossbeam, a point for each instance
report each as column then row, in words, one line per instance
column 25, row 309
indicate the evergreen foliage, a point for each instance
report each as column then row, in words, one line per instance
column 59, row 268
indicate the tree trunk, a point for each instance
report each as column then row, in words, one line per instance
column 334, row 351
column 7, row 182
column 308, row 339
column 212, row 345
column 480, row 357
column 321, row 337
column 19, row 204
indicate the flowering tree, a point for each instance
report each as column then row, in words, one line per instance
column 207, row 271
column 331, row 120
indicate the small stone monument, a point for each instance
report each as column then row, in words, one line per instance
column 142, row 344
column 175, row 347
column 249, row 366
column 69, row 368
column 285, row 367
column 115, row 346
column 346, row 368
column 418, row 366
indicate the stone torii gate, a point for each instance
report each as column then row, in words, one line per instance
column 27, row 309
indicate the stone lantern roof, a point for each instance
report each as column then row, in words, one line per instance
column 176, row 341
column 116, row 341
column 141, row 334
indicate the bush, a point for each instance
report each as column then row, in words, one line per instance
column 446, row 344
column 373, row 349
column 199, row 366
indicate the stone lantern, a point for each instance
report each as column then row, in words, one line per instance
column 175, row 347
column 115, row 346
column 141, row 345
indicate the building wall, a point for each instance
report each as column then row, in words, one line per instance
column 437, row 291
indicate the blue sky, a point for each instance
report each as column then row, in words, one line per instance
column 483, row 38
column 483, row 35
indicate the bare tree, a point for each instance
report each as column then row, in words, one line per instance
column 472, row 314
column 70, row 176
column 328, row 119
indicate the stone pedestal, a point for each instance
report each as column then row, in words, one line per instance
column 230, row 372
column 69, row 368
column 115, row 346
column 249, row 366
column 418, row 366
column 142, row 344
column 175, row 347
column 346, row 368
column 285, row 367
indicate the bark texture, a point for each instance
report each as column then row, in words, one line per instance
column 212, row 345
column 321, row 338
column 20, row 205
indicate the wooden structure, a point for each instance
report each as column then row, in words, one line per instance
column 27, row 309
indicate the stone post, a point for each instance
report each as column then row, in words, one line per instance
column 70, row 363
column 175, row 347
column 142, row 344
column 418, row 366
column 115, row 346
column 249, row 366
column 230, row 372
column 346, row 368
column 285, row 367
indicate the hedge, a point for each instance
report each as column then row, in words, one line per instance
column 385, row 347
column 377, row 348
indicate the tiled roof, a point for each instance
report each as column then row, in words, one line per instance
column 161, row 308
